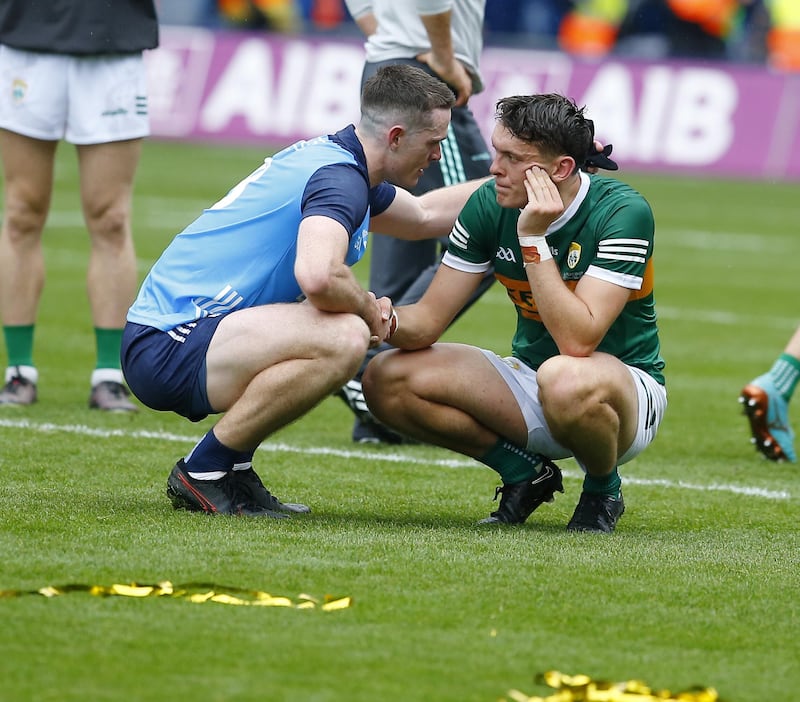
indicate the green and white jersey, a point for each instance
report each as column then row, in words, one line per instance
column 607, row 232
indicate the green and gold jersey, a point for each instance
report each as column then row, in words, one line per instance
column 607, row 232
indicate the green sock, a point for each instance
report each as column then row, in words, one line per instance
column 605, row 485
column 513, row 463
column 19, row 344
column 108, row 343
column 785, row 374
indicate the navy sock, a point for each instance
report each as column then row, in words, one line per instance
column 209, row 455
column 243, row 460
column 512, row 462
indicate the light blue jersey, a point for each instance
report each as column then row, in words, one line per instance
column 241, row 251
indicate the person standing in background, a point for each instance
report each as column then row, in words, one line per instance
column 72, row 71
column 444, row 38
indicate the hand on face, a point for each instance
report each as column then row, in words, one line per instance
column 544, row 203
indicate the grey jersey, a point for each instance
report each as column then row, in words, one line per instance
column 401, row 34
column 79, row 27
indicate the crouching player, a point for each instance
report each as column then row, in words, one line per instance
column 584, row 379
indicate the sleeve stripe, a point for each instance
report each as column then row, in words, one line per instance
column 621, row 257
column 631, row 282
column 633, row 242
column 459, row 236
column 461, row 265
column 623, row 249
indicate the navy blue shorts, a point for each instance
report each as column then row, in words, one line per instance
column 167, row 370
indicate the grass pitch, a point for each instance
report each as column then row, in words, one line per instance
column 699, row 585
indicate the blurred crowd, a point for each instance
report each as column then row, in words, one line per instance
column 757, row 31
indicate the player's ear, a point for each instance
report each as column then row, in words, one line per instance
column 563, row 168
column 394, row 136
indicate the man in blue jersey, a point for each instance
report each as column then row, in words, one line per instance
column 253, row 311
column 585, row 375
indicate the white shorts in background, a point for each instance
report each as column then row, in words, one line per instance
column 522, row 382
column 82, row 99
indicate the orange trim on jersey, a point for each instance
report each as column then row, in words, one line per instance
column 520, row 293
column 648, row 282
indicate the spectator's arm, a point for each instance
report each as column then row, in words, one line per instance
column 361, row 12
column 441, row 58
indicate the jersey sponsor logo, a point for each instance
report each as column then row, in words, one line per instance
column 573, row 254
column 224, row 301
column 520, row 293
column 358, row 245
column 505, row 254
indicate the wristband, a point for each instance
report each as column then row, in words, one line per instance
column 394, row 323
column 534, row 249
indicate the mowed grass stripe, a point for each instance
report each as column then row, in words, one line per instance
column 372, row 456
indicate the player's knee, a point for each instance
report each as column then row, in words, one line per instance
column 559, row 384
column 571, row 389
column 380, row 382
column 349, row 341
column 24, row 220
column 109, row 226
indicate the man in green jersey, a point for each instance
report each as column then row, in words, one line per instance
column 584, row 379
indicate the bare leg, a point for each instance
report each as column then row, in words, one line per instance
column 793, row 346
column 28, row 170
column 591, row 407
column 107, row 173
column 269, row 365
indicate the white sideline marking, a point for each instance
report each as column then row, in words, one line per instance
column 83, row 430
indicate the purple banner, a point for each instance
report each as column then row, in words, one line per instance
column 692, row 118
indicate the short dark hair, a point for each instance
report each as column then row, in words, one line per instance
column 552, row 122
column 403, row 91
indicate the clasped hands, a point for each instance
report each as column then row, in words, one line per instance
column 387, row 324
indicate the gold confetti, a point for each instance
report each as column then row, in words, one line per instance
column 197, row 593
column 582, row 688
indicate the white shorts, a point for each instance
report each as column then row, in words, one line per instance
column 83, row 99
column 522, row 382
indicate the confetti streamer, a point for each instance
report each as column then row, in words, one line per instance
column 197, row 593
column 582, row 688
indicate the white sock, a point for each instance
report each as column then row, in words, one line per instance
column 28, row 372
column 110, row 375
